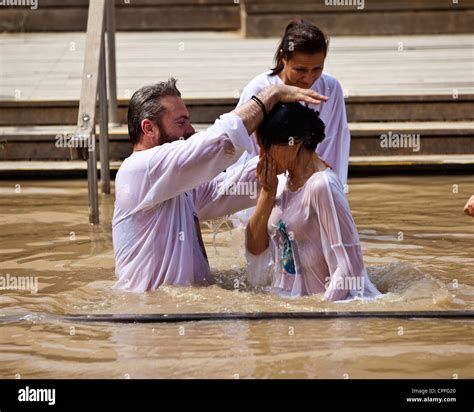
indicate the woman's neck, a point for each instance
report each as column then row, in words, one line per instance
column 305, row 166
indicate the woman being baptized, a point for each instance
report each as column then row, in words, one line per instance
column 302, row 238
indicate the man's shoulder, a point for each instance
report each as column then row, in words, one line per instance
column 136, row 161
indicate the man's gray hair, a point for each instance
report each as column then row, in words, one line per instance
column 145, row 104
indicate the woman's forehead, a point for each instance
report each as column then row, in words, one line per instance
column 307, row 59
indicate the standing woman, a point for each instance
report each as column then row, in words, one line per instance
column 299, row 61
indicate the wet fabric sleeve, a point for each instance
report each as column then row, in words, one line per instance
column 228, row 193
column 179, row 166
column 340, row 240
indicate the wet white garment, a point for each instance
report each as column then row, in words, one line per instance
column 334, row 149
column 325, row 248
column 160, row 193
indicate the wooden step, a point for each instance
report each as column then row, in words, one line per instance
column 417, row 164
column 369, row 108
column 51, row 142
column 265, row 18
column 255, row 18
column 64, row 112
column 411, row 138
column 386, row 78
column 136, row 15
column 358, row 166
column 368, row 139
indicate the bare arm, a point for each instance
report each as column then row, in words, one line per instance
column 251, row 113
column 257, row 235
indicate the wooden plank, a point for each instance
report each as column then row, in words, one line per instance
column 357, row 110
column 382, row 23
column 63, row 166
column 186, row 15
column 90, row 74
column 43, row 66
column 355, row 6
column 17, row 20
column 370, row 146
column 120, row 133
column 184, row 18
column 93, row 62
column 361, row 146
column 39, row 143
column 133, row 3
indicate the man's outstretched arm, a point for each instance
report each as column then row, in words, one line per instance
column 185, row 164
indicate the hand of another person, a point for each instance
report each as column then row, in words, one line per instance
column 469, row 208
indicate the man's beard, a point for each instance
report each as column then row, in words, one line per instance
column 165, row 137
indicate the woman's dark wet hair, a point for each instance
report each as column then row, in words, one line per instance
column 291, row 120
column 300, row 37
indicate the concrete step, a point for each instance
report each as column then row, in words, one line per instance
column 368, row 139
column 360, row 108
column 358, row 166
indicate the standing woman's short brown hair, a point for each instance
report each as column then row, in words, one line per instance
column 300, row 37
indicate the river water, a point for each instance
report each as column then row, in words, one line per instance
column 417, row 244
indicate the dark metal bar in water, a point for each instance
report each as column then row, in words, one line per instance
column 192, row 317
column 227, row 316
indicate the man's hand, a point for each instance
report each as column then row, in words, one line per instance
column 469, row 208
column 266, row 174
column 252, row 115
column 290, row 94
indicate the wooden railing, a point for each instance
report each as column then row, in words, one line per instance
column 94, row 83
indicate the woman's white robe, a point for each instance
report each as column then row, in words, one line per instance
column 324, row 240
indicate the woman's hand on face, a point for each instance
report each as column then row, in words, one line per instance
column 266, row 174
column 290, row 94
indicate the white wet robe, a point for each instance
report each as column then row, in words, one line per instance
column 324, row 241
column 335, row 147
column 159, row 194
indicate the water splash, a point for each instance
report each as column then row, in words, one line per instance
column 214, row 225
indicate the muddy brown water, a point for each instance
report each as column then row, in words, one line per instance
column 418, row 247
